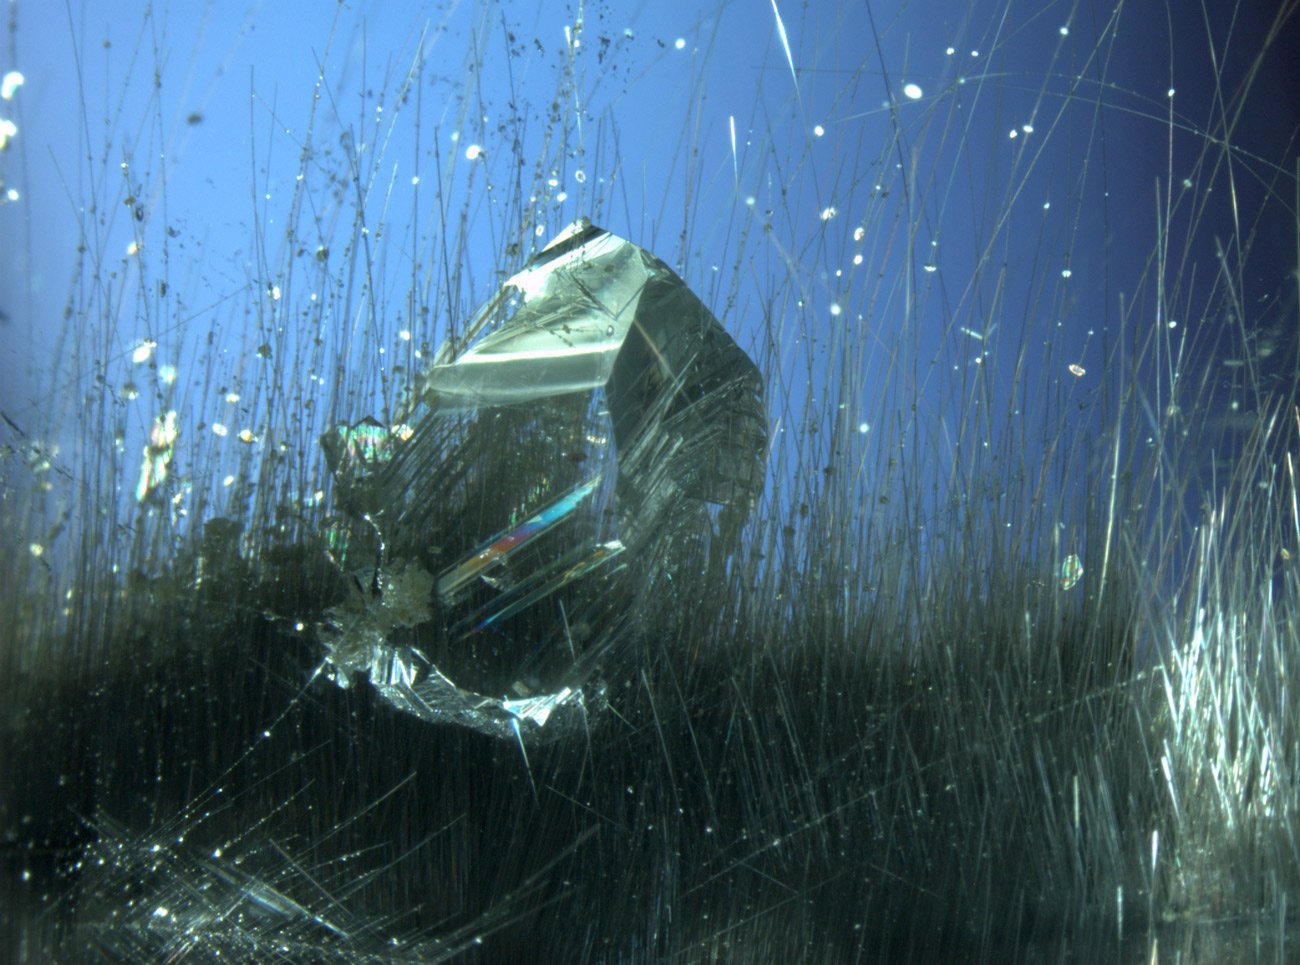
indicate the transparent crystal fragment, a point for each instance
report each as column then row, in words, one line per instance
column 591, row 439
column 157, row 455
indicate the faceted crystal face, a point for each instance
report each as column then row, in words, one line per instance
column 550, row 478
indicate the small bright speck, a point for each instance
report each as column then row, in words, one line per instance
column 828, row 213
column 1187, row 182
column 9, row 84
column 864, row 428
column 562, row 197
column 913, row 92
column 246, row 435
column 228, row 481
column 232, row 397
column 11, row 194
column 539, row 230
column 1077, row 370
column 219, row 429
column 974, row 53
column 680, row 44
column 1064, row 31
column 1172, row 323
column 404, row 335
column 275, row 293
column 751, row 201
column 950, row 51
column 7, row 130
column 580, row 176
column 143, row 351
column 36, row 549
column 1066, row 273
column 415, row 179
column 1027, row 128
column 132, row 248
column 835, row 308
column 473, row 152
column 1047, row 205
column 167, row 374
column 819, row 131
column 859, row 233
column 1170, row 92
column 932, row 268
column 1014, row 133
column 160, row 912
